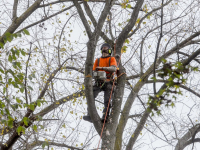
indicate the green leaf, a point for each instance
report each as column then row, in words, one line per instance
column 23, row 130
column 15, row 35
column 30, row 77
column 32, row 107
column 158, row 112
column 25, row 105
column 23, row 53
column 4, row 90
column 14, row 57
column 33, row 75
column 30, row 88
column 124, row 48
column 2, row 112
column 1, row 70
column 19, row 130
column 174, row 97
column 26, row 120
column 14, row 65
column 7, row 111
column 10, row 58
column 19, row 65
column 35, row 128
column 9, row 80
column 172, row 104
column 128, row 6
column 83, row 87
column 22, row 90
column 39, row 103
column 17, row 52
column 1, row 44
column 10, row 123
column 15, row 106
column 149, row 109
column 195, row 68
column 18, row 100
column 163, row 60
column 8, row 37
column 11, row 72
column 127, row 41
column 43, row 145
column 26, row 32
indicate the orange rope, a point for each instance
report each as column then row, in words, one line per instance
column 109, row 100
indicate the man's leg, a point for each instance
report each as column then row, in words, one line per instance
column 96, row 90
column 107, row 97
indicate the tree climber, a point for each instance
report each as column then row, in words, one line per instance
column 104, row 69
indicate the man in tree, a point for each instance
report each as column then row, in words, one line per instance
column 108, row 64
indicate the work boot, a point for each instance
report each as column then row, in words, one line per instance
column 87, row 118
column 103, row 118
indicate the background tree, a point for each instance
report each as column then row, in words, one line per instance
column 47, row 53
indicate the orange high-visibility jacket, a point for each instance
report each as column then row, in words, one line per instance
column 105, row 62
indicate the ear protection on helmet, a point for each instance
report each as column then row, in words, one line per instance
column 109, row 51
column 109, row 48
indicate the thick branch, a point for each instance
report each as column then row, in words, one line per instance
column 59, row 102
column 192, row 141
column 183, row 142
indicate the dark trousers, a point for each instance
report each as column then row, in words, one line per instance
column 107, row 88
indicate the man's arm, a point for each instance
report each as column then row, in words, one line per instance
column 109, row 69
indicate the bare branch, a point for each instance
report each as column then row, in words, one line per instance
column 17, row 22
column 149, row 13
column 157, row 48
column 44, row 19
column 15, row 9
column 83, row 18
column 141, row 124
column 39, row 143
column 94, row 22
